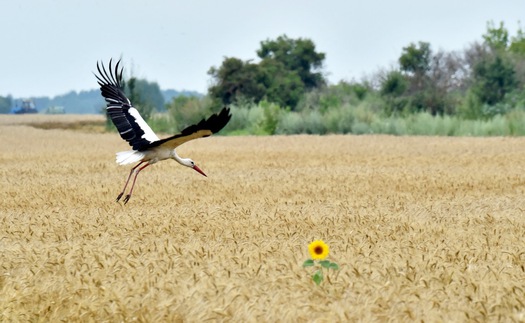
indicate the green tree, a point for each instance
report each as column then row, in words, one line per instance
column 497, row 38
column 394, row 84
column 287, row 69
column 431, row 79
column 283, row 86
column 416, row 58
column 235, row 79
column 415, row 61
column 495, row 70
column 393, row 89
column 493, row 78
column 5, row 104
column 517, row 44
column 297, row 55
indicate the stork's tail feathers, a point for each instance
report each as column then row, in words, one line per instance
column 129, row 157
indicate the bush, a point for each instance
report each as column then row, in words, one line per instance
column 290, row 123
column 339, row 120
column 246, row 118
column 361, row 128
column 313, row 123
column 272, row 114
column 329, row 97
column 422, row 124
column 390, row 126
column 516, row 122
column 186, row 110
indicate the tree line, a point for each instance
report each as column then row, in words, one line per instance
column 283, row 89
column 488, row 77
column 485, row 79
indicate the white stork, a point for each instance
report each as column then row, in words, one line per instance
column 147, row 147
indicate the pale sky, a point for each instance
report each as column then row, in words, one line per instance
column 50, row 47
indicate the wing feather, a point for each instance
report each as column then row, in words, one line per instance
column 205, row 128
column 130, row 124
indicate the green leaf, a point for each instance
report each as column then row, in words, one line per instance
column 325, row 263
column 318, row 277
column 334, row 266
column 308, row 263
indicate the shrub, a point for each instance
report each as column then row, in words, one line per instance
column 290, row 123
column 390, row 126
column 361, row 128
column 313, row 123
column 422, row 124
column 186, row 110
column 247, row 118
column 272, row 114
column 339, row 120
column 516, row 122
column 330, row 97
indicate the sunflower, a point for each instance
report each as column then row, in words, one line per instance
column 318, row 249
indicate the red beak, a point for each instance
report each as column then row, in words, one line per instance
column 199, row 170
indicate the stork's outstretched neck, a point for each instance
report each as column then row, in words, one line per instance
column 186, row 162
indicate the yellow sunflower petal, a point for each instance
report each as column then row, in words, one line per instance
column 318, row 250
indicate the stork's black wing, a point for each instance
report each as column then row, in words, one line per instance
column 126, row 118
column 205, row 128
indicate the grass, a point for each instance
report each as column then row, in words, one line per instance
column 423, row 228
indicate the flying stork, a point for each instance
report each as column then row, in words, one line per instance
column 147, row 147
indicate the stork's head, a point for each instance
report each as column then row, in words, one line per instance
column 190, row 163
column 196, row 168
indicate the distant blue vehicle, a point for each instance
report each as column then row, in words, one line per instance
column 27, row 107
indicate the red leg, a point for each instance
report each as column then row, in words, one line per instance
column 127, row 181
column 126, row 199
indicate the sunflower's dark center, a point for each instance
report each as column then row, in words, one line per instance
column 318, row 250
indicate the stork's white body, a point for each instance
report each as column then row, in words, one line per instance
column 151, row 156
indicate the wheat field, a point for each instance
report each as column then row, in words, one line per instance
column 423, row 228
